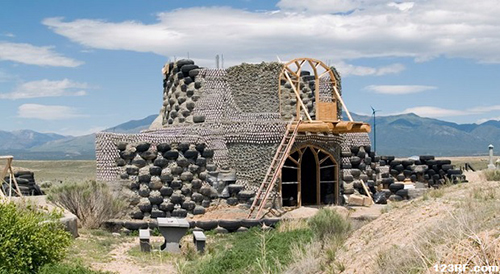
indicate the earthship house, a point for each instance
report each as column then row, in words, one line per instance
column 270, row 129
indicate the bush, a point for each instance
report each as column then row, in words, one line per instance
column 29, row 239
column 328, row 223
column 492, row 174
column 90, row 201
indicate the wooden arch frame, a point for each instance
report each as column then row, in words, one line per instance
column 319, row 161
column 291, row 73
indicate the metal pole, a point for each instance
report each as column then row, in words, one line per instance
column 374, row 133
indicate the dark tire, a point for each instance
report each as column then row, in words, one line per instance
column 347, row 178
column 249, row 223
column 355, row 161
column 135, row 225
column 171, row 155
column 447, row 167
column 403, row 193
column 395, row 187
column 355, row 173
column 400, row 177
column 387, row 181
column 395, row 163
column 230, row 225
column 271, row 221
column 454, row 171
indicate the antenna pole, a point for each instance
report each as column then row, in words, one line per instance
column 374, row 133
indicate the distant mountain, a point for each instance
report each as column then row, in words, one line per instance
column 400, row 135
column 409, row 134
column 133, row 126
column 22, row 139
column 49, row 146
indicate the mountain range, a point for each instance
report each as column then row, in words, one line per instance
column 31, row 145
column 400, row 135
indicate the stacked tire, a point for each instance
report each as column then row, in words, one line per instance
column 359, row 164
column 172, row 179
column 26, row 182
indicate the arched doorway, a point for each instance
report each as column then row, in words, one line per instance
column 309, row 177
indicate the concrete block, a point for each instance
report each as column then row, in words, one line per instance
column 199, row 240
column 356, row 200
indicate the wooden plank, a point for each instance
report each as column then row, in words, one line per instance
column 326, row 111
column 366, row 190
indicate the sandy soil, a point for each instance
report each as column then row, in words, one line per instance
column 398, row 227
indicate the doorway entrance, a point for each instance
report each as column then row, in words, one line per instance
column 309, row 177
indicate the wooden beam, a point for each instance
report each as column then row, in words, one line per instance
column 297, row 94
column 343, row 125
column 293, row 160
column 342, row 102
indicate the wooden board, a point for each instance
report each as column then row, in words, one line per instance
column 327, row 111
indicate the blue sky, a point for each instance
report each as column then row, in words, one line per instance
column 76, row 67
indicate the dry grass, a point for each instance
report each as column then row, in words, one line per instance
column 59, row 171
column 492, row 174
column 468, row 234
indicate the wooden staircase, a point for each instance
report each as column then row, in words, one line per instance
column 274, row 171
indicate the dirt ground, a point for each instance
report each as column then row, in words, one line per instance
column 400, row 227
column 121, row 262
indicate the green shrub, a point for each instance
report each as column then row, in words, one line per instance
column 255, row 251
column 328, row 223
column 90, row 201
column 68, row 269
column 29, row 239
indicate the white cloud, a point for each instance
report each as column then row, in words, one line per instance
column 47, row 112
column 404, row 6
column 33, row 55
column 349, row 69
column 8, row 34
column 483, row 109
column 319, row 6
column 421, row 30
column 398, row 89
column 46, row 88
column 434, row 112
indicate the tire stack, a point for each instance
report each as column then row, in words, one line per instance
column 389, row 175
column 440, row 171
column 171, row 179
column 26, row 182
column 425, row 169
column 359, row 164
column 181, row 91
